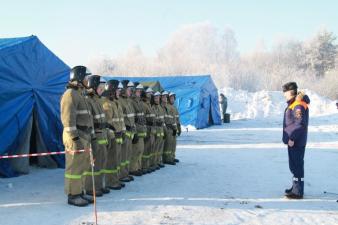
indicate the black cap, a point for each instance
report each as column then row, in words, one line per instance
column 290, row 86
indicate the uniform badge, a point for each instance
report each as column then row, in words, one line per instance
column 298, row 114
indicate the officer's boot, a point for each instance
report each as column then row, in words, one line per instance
column 289, row 190
column 77, row 200
column 297, row 189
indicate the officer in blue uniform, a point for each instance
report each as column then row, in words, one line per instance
column 295, row 129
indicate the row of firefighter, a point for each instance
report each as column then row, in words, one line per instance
column 128, row 129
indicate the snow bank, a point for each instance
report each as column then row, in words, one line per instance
column 257, row 105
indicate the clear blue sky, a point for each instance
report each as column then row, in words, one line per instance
column 79, row 30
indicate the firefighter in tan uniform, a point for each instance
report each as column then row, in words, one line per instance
column 116, row 128
column 141, row 132
column 77, row 134
column 159, row 139
column 149, row 140
column 170, row 131
column 172, row 99
column 99, row 145
column 129, row 135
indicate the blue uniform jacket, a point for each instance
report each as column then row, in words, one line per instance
column 296, row 120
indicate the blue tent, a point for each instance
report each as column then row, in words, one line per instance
column 197, row 97
column 32, row 80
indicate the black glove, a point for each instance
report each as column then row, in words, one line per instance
column 75, row 138
column 174, row 132
column 110, row 126
column 118, row 134
column 135, row 139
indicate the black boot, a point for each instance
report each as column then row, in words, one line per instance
column 288, row 191
column 88, row 198
column 177, row 161
column 125, row 179
column 77, row 200
column 293, row 196
column 297, row 190
column 137, row 173
column 105, row 190
column 98, row 193
column 115, row 187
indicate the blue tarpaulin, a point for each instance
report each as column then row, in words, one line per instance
column 32, row 80
column 196, row 96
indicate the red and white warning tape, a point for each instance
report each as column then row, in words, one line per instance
column 42, row 154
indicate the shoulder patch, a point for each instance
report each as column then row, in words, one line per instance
column 298, row 113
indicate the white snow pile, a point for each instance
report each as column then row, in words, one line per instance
column 257, row 105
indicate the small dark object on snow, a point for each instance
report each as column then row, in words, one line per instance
column 258, row 207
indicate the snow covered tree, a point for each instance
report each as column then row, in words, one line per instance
column 321, row 52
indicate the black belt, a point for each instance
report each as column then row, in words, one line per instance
column 99, row 125
column 159, row 124
column 84, row 128
column 128, row 128
column 170, row 126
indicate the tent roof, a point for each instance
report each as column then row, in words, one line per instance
column 8, row 42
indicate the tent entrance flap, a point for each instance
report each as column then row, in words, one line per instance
column 211, row 121
column 31, row 142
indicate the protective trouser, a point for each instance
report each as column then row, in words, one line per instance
column 169, row 143
column 126, row 154
column 148, row 153
column 159, row 144
column 296, row 165
column 76, row 165
column 138, row 149
column 99, row 151
column 113, row 163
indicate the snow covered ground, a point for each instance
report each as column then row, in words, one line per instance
column 230, row 174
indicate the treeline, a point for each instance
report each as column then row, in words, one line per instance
column 203, row 49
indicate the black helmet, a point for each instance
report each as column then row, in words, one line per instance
column 94, row 81
column 111, row 85
column 78, row 73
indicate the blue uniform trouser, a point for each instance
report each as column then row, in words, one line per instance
column 296, row 165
